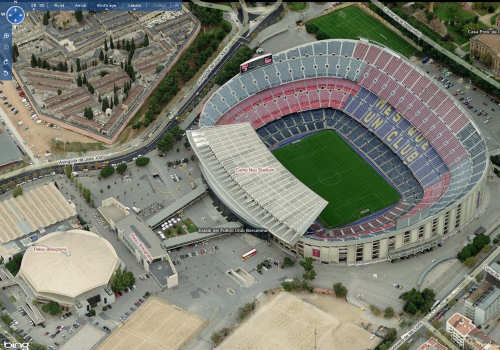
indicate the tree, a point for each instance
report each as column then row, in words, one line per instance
column 288, row 262
column 34, row 62
column 340, row 290
column 78, row 66
column 106, row 59
column 389, row 312
column 46, row 18
column 120, row 169
column 87, row 113
column 105, row 44
column 18, row 191
column 307, row 264
column 15, row 52
column 146, row 41
column 101, row 55
column 118, row 46
column 309, row 275
column 142, row 161
column 105, row 104
column 52, row 308
column 14, row 264
column 166, row 143
column 59, row 91
column 68, row 170
column 79, row 16
column 91, row 88
column 418, row 301
column 111, row 44
column 84, row 80
column 121, row 280
column 107, row 171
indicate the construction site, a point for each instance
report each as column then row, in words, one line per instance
column 302, row 322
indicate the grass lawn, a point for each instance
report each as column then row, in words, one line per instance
column 331, row 168
column 446, row 10
column 493, row 19
column 78, row 147
column 297, row 6
column 190, row 225
column 352, row 23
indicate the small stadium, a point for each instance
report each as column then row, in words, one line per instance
column 370, row 159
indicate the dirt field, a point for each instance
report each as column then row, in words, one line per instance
column 38, row 137
column 156, row 325
column 289, row 321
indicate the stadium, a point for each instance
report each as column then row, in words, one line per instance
column 344, row 151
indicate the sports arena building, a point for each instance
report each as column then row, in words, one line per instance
column 409, row 129
column 72, row 268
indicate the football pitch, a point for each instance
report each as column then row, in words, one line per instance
column 352, row 23
column 330, row 167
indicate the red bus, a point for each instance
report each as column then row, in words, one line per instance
column 249, row 254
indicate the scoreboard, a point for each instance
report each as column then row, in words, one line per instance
column 256, row 62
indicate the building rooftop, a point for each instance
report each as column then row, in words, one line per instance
column 9, row 151
column 462, row 324
column 137, row 233
column 69, row 263
column 177, row 204
column 432, row 344
column 490, row 40
column 489, row 298
column 35, row 209
column 113, row 212
column 269, row 196
column 479, row 340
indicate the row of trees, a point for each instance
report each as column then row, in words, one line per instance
column 472, row 249
column 38, row 62
column 171, row 136
column 142, row 161
column 430, row 51
column 232, row 67
column 195, row 56
column 314, row 29
column 84, row 191
column 18, row 190
column 206, row 15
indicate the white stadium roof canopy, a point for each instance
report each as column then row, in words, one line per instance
column 245, row 173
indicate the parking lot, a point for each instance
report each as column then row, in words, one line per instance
column 36, row 135
column 483, row 108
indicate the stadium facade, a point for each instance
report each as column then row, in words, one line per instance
column 409, row 129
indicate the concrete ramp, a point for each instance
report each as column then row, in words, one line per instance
column 242, row 277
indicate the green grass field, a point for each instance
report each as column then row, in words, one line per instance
column 330, row 167
column 297, row 6
column 352, row 23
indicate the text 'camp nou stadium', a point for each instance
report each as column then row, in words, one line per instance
column 409, row 129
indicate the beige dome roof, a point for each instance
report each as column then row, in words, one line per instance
column 69, row 263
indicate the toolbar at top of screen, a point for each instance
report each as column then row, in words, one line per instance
column 93, row 5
